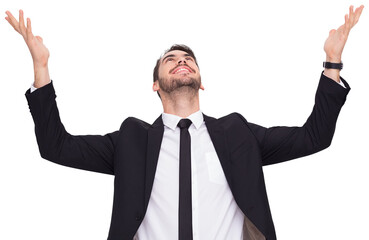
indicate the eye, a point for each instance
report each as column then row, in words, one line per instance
column 169, row 59
column 189, row 58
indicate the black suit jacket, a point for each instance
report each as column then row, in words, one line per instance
column 131, row 154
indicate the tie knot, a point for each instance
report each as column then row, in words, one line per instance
column 184, row 123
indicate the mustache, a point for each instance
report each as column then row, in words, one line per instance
column 193, row 70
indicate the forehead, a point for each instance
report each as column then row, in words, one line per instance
column 176, row 53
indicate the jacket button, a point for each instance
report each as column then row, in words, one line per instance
column 138, row 218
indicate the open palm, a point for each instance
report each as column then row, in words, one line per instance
column 39, row 52
column 337, row 38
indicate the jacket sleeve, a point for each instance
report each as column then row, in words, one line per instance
column 88, row 152
column 280, row 144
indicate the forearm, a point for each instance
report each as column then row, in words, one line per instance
column 42, row 76
column 333, row 73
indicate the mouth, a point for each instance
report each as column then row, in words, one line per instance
column 182, row 69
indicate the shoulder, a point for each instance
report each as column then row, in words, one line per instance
column 134, row 123
column 230, row 119
column 233, row 123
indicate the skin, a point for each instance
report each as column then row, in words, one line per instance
column 336, row 41
column 40, row 54
column 184, row 100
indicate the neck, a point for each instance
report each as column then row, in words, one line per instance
column 181, row 104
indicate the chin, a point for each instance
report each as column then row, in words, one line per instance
column 176, row 83
column 186, row 81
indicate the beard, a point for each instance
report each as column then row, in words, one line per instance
column 180, row 84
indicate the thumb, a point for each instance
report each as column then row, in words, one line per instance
column 332, row 31
column 40, row 39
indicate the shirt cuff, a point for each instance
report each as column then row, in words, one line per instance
column 33, row 88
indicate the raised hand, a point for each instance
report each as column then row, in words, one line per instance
column 336, row 41
column 337, row 38
column 40, row 54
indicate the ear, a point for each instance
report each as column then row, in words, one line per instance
column 155, row 86
column 202, row 87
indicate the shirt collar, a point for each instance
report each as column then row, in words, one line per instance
column 171, row 120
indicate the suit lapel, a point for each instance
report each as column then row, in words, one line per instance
column 218, row 137
column 155, row 137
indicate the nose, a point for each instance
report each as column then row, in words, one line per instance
column 181, row 61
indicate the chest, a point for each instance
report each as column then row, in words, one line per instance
column 205, row 165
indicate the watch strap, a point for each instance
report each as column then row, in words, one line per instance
column 330, row 65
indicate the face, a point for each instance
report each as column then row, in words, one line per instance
column 177, row 70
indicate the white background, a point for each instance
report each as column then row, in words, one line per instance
column 262, row 59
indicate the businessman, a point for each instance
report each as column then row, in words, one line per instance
column 187, row 175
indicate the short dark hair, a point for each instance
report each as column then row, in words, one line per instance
column 174, row 47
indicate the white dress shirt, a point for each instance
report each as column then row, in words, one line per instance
column 215, row 214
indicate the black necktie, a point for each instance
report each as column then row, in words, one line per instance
column 185, row 196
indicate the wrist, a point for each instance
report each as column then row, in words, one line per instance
column 333, row 74
column 41, row 76
column 39, row 65
column 333, row 59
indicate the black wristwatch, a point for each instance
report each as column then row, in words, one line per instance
column 330, row 65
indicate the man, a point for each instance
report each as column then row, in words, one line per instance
column 187, row 175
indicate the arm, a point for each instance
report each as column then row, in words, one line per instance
column 89, row 152
column 280, row 144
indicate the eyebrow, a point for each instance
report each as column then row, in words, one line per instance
column 172, row 55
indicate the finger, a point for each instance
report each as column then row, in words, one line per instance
column 351, row 17
column 11, row 17
column 40, row 39
column 358, row 12
column 29, row 29
column 347, row 24
column 13, row 21
column 9, row 21
column 21, row 24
